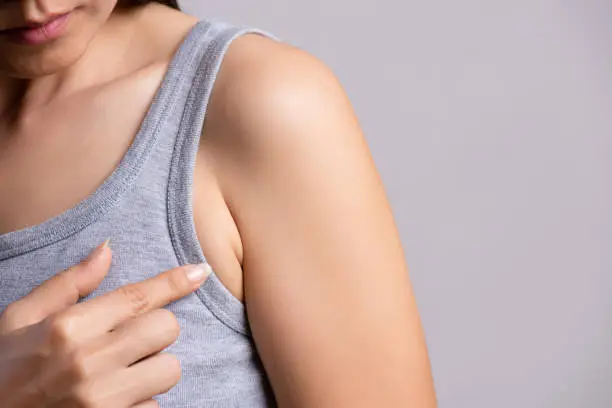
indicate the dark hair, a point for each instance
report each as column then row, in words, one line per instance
column 170, row 3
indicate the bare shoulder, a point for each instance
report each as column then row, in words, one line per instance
column 264, row 94
column 274, row 110
column 315, row 227
column 267, row 66
column 266, row 84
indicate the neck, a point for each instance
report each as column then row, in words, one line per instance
column 100, row 63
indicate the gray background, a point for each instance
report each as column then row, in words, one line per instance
column 491, row 124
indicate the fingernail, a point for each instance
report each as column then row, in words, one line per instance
column 197, row 273
column 98, row 251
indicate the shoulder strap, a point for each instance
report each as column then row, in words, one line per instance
column 213, row 42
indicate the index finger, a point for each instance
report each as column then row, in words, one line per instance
column 105, row 312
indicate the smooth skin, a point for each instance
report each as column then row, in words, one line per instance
column 289, row 208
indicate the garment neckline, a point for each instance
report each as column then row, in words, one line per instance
column 103, row 199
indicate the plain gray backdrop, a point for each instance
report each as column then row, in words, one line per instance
column 491, row 124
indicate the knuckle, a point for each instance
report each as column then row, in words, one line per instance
column 177, row 282
column 60, row 331
column 78, row 366
column 136, row 297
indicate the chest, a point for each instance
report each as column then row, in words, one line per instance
column 58, row 154
column 65, row 152
column 219, row 362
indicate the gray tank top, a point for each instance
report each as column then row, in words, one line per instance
column 145, row 208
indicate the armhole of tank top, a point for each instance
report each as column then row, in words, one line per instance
column 214, row 295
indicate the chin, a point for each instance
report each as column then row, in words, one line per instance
column 34, row 62
column 20, row 60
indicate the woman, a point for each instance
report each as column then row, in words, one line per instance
column 190, row 143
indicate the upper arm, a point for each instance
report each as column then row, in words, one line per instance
column 327, row 290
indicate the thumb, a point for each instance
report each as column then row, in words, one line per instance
column 61, row 291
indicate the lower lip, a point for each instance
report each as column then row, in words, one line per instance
column 41, row 34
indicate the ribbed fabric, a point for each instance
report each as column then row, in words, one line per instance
column 145, row 207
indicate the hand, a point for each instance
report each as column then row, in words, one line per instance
column 105, row 352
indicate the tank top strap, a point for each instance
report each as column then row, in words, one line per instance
column 134, row 178
column 214, row 41
column 156, row 172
